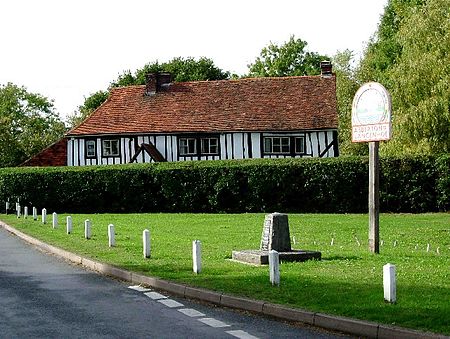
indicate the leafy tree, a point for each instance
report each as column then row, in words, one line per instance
column 420, row 81
column 290, row 58
column 384, row 48
column 182, row 69
column 346, row 87
column 28, row 123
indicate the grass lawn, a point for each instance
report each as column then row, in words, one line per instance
column 348, row 281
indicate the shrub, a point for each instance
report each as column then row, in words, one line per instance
column 332, row 185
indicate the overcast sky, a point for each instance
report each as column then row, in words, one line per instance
column 66, row 50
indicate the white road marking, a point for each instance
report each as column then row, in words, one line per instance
column 190, row 312
column 213, row 322
column 170, row 303
column 155, row 295
column 139, row 288
column 241, row 334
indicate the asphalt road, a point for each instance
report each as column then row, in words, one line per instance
column 42, row 296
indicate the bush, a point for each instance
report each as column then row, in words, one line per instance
column 331, row 185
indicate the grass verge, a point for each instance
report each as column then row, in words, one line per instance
column 347, row 282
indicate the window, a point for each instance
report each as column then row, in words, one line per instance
column 111, row 148
column 300, row 145
column 91, row 151
column 188, row 146
column 277, row 145
column 210, row 146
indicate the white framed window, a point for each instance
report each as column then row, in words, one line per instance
column 209, row 145
column 91, row 149
column 277, row 145
column 299, row 145
column 110, row 147
column 187, row 146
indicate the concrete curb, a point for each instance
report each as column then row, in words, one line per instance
column 341, row 324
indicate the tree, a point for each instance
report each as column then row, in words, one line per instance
column 346, row 87
column 409, row 57
column 28, row 123
column 182, row 69
column 420, row 81
column 291, row 58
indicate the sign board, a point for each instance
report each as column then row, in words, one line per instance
column 371, row 113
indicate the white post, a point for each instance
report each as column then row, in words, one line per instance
column 389, row 283
column 55, row 220
column 25, row 212
column 44, row 215
column 87, row 229
column 7, row 207
column 274, row 267
column 17, row 205
column 111, row 237
column 197, row 256
column 34, row 213
column 69, row 224
column 146, row 243
column 18, row 211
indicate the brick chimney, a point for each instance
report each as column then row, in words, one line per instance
column 157, row 82
column 326, row 68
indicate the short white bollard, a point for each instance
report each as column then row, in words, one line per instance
column 87, row 229
column 55, row 220
column 69, row 224
column 197, row 256
column 18, row 211
column 146, row 243
column 34, row 213
column 7, row 207
column 389, row 283
column 25, row 212
column 111, row 236
column 274, row 267
column 44, row 215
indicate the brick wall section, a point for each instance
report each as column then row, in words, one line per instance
column 54, row 155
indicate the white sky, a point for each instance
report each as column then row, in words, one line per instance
column 66, row 50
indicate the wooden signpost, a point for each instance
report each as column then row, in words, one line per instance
column 371, row 122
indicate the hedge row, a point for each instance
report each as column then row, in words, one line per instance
column 332, row 185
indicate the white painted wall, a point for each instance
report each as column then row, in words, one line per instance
column 232, row 146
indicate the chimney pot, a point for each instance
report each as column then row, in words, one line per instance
column 326, row 68
column 157, row 82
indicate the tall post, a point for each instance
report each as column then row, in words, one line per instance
column 374, row 198
column 35, row 213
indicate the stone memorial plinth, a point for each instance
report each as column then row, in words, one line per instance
column 275, row 236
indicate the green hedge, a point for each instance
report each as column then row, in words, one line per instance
column 332, row 185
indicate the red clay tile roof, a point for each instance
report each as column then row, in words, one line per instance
column 257, row 104
column 54, row 155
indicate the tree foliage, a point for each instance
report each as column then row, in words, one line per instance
column 409, row 55
column 290, row 58
column 28, row 123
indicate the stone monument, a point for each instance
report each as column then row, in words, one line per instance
column 275, row 236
